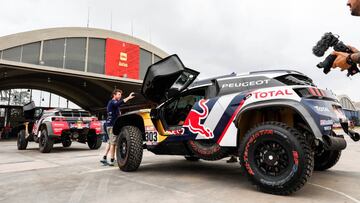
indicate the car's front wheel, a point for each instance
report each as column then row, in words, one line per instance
column 129, row 150
column 276, row 158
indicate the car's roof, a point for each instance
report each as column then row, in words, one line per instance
column 276, row 71
column 269, row 73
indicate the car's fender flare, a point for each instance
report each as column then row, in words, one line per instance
column 128, row 119
column 298, row 107
column 48, row 127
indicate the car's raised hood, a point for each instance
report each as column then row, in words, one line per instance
column 166, row 78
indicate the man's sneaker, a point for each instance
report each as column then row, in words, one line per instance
column 111, row 163
column 104, row 161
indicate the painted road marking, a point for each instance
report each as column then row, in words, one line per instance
column 337, row 192
column 15, row 162
column 108, row 168
column 26, row 166
column 80, row 190
column 128, row 178
column 162, row 188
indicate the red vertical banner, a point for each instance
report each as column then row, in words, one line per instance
column 122, row 59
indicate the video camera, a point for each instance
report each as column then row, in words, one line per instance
column 331, row 40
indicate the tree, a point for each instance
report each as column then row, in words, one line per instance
column 17, row 97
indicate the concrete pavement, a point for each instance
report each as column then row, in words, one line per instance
column 75, row 175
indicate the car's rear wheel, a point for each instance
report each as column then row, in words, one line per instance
column 66, row 143
column 45, row 142
column 94, row 141
column 325, row 159
column 207, row 149
column 276, row 158
column 22, row 142
column 129, row 150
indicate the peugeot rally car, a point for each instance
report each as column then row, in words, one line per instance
column 278, row 123
column 48, row 127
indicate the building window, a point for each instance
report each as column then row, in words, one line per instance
column 53, row 53
column 12, row 54
column 75, row 53
column 96, row 56
column 31, row 53
column 145, row 62
column 156, row 58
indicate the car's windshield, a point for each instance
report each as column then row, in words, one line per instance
column 295, row 79
column 75, row 113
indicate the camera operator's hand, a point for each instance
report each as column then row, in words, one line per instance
column 341, row 60
column 353, row 49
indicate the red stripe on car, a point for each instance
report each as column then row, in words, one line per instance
column 231, row 119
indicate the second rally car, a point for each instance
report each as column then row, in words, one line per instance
column 52, row 126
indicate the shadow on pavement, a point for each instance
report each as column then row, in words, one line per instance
column 215, row 171
column 60, row 149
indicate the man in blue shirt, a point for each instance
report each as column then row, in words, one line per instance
column 113, row 112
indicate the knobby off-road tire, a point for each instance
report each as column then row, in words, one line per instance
column 325, row 159
column 66, row 143
column 129, row 149
column 94, row 141
column 22, row 142
column 207, row 149
column 192, row 158
column 276, row 158
column 45, row 142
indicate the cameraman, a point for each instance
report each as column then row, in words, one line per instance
column 344, row 59
column 354, row 7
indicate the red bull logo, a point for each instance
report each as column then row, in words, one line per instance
column 193, row 120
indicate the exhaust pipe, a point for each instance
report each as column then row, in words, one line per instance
column 334, row 143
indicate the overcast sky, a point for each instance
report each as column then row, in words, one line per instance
column 213, row 37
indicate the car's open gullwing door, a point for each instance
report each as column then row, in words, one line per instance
column 166, row 78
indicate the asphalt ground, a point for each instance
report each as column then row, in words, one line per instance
column 75, row 175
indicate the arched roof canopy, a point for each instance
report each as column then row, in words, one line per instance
column 346, row 103
column 71, row 62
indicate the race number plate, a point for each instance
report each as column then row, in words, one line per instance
column 151, row 136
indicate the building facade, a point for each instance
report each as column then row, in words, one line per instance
column 350, row 110
column 83, row 65
column 82, row 49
